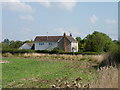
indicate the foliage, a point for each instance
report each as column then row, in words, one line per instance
column 15, row 44
column 14, row 51
column 98, row 42
column 56, row 50
column 112, row 58
column 42, row 51
column 6, row 41
column 7, row 55
column 28, row 41
column 116, row 42
column 95, row 42
column 4, row 45
column 115, row 54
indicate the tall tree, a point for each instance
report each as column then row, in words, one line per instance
column 6, row 41
column 98, row 42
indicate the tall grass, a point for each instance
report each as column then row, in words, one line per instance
column 107, row 78
column 108, row 72
column 96, row 58
column 112, row 58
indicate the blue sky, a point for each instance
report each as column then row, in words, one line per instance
column 24, row 21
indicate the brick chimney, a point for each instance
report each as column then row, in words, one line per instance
column 64, row 41
column 71, row 34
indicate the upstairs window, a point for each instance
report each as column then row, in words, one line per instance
column 50, row 43
column 41, row 43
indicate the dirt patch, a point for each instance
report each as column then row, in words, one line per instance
column 4, row 61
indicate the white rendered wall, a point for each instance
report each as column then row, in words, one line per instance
column 75, row 45
column 25, row 46
column 46, row 46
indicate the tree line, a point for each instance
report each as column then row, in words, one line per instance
column 7, row 44
column 95, row 42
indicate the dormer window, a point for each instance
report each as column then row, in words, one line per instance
column 41, row 43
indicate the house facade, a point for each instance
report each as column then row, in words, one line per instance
column 66, row 43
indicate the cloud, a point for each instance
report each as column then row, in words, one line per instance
column 60, row 31
column 94, row 19
column 68, row 5
column 22, row 6
column 17, row 5
column 27, row 17
column 45, row 3
column 110, row 21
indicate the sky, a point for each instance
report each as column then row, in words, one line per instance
column 26, row 20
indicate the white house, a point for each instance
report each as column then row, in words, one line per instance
column 26, row 46
column 66, row 43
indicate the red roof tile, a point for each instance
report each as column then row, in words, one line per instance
column 52, row 38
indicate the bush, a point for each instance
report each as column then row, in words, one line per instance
column 7, row 55
column 15, row 51
column 56, row 50
column 42, row 51
column 112, row 58
column 83, row 53
column 116, row 55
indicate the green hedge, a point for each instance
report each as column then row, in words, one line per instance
column 83, row 53
column 42, row 51
column 15, row 51
column 70, row 53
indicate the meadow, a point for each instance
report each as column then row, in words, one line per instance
column 46, row 71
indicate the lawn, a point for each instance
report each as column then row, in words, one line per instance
column 42, row 73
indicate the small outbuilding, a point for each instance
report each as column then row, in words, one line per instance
column 27, row 46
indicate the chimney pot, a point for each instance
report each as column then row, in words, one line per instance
column 71, row 34
column 64, row 34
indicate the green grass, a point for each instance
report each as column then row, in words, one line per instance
column 45, row 72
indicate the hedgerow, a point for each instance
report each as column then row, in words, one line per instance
column 54, row 51
column 15, row 51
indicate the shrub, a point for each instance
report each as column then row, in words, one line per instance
column 7, row 55
column 42, row 51
column 112, row 58
column 15, row 51
column 56, row 50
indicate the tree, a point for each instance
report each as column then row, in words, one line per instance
column 81, row 44
column 98, row 42
column 28, row 41
column 6, row 41
column 15, row 44
column 4, row 45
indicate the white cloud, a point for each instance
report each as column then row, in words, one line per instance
column 94, row 19
column 22, row 6
column 60, row 31
column 17, row 5
column 45, row 3
column 27, row 17
column 110, row 21
column 68, row 5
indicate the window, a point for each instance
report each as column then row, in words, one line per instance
column 50, row 43
column 41, row 43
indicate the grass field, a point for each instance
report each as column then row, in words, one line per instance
column 42, row 73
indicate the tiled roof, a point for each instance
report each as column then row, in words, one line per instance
column 71, row 39
column 52, row 38
column 47, row 38
column 30, row 44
